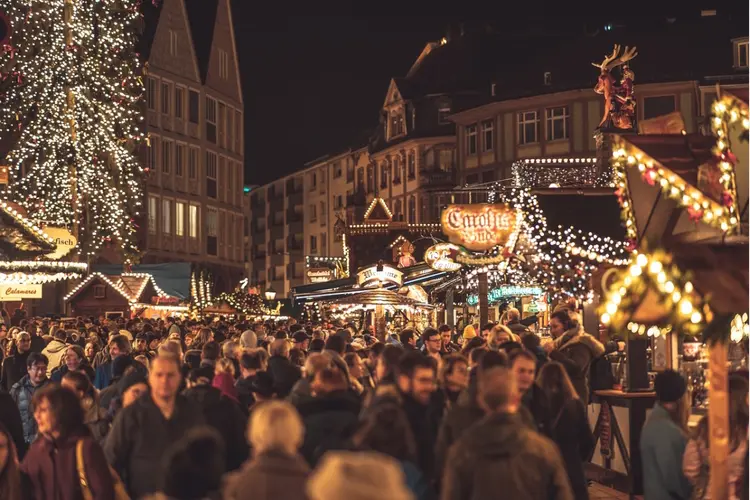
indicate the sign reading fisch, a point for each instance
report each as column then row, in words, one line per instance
column 386, row 274
column 14, row 293
column 479, row 227
column 64, row 241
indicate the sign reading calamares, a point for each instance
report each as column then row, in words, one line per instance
column 12, row 293
column 479, row 227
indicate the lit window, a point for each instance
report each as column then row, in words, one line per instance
column 528, row 127
column 153, row 203
column 557, row 123
column 471, row 139
column 193, row 221
column 179, row 219
column 166, row 216
column 488, row 135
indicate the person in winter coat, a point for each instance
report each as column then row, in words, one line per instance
column 501, row 454
column 284, row 373
column 10, row 418
column 277, row 470
column 14, row 367
column 221, row 413
column 94, row 416
column 330, row 415
column 119, row 345
column 10, row 475
column 250, row 364
column 74, row 360
column 24, row 390
column 534, row 404
column 569, row 428
column 574, row 349
column 513, row 318
column 55, row 350
column 663, row 440
column 51, row 467
column 386, row 430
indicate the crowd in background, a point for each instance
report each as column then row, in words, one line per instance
column 105, row 409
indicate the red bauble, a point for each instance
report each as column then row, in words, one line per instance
column 727, row 199
column 695, row 215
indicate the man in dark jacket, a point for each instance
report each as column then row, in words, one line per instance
column 501, row 454
column 119, row 345
column 250, row 364
column 23, row 391
column 221, row 413
column 534, row 405
column 142, row 431
column 14, row 367
column 284, row 373
column 514, row 322
column 330, row 415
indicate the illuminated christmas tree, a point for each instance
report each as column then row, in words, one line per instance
column 70, row 85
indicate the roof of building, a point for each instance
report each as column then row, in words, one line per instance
column 151, row 12
column 202, row 18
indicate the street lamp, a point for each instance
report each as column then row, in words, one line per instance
column 270, row 294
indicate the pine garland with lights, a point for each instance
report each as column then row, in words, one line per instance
column 69, row 104
column 244, row 303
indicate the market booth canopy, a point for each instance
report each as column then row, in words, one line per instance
column 377, row 297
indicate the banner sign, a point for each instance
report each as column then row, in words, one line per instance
column 386, row 274
column 479, row 227
column 498, row 294
column 64, row 241
column 319, row 274
column 442, row 257
column 14, row 293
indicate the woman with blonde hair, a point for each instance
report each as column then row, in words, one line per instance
column 276, row 470
column 224, row 379
column 569, row 428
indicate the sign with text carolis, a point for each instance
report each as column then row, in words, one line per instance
column 14, row 293
column 479, row 227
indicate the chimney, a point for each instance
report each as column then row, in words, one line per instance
column 548, row 78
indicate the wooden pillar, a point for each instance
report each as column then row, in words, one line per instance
column 484, row 306
column 449, row 308
column 718, row 419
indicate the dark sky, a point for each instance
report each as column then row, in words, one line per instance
column 314, row 80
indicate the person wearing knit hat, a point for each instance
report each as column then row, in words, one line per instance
column 358, row 476
column 664, row 438
column 469, row 332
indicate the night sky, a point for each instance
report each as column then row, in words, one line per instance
column 314, row 81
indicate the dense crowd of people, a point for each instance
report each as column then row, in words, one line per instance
column 172, row 409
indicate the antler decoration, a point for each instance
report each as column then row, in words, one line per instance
column 619, row 108
column 614, row 59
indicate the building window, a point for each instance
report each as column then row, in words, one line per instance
column 471, row 140
column 412, row 210
column 166, row 97
column 179, row 101
column 153, row 152
column 397, row 124
column 222, row 125
column 211, row 174
column 212, row 227
column 397, row 212
column 742, row 54
column 100, row 292
column 384, row 175
column 323, row 244
column 557, row 123
column 338, row 201
column 179, row 158
column 323, row 214
column 658, row 106
column 370, row 179
column 446, row 160
column 313, row 244
column 194, row 100
column 528, row 127
column 337, row 171
column 193, row 221
column 411, row 170
column 193, row 163
column 396, row 170
column 223, row 64
column 179, row 218
column 349, row 172
column 443, row 111
column 488, row 136
column 151, row 93
column 153, row 203
column 211, row 119
column 166, row 156
column 166, row 216
column 172, row 42
column 360, row 177
column 237, row 131
column 313, row 212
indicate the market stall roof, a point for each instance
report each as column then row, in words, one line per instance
column 20, row 238
column 132, row 286
column 377, row 297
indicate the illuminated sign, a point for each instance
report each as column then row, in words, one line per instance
column 498, row 294
column 64, row 241
column 12, row 293
column 479, row 227
column 442, row 256
column 374, row 276
column 319, row 274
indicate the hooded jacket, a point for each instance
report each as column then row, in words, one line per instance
column 500, row 454
column 14, row 369
column 55, row 352
column 575, row 350
column 268, row 476
column 330, row 420
column 22, row 392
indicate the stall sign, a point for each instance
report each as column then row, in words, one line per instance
column 64, row 241
column 441, row 257
column 14, row 293
column 165, row 301
column 479, row 227
column 498, row 294
column 379, row 274
column 319, row 274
